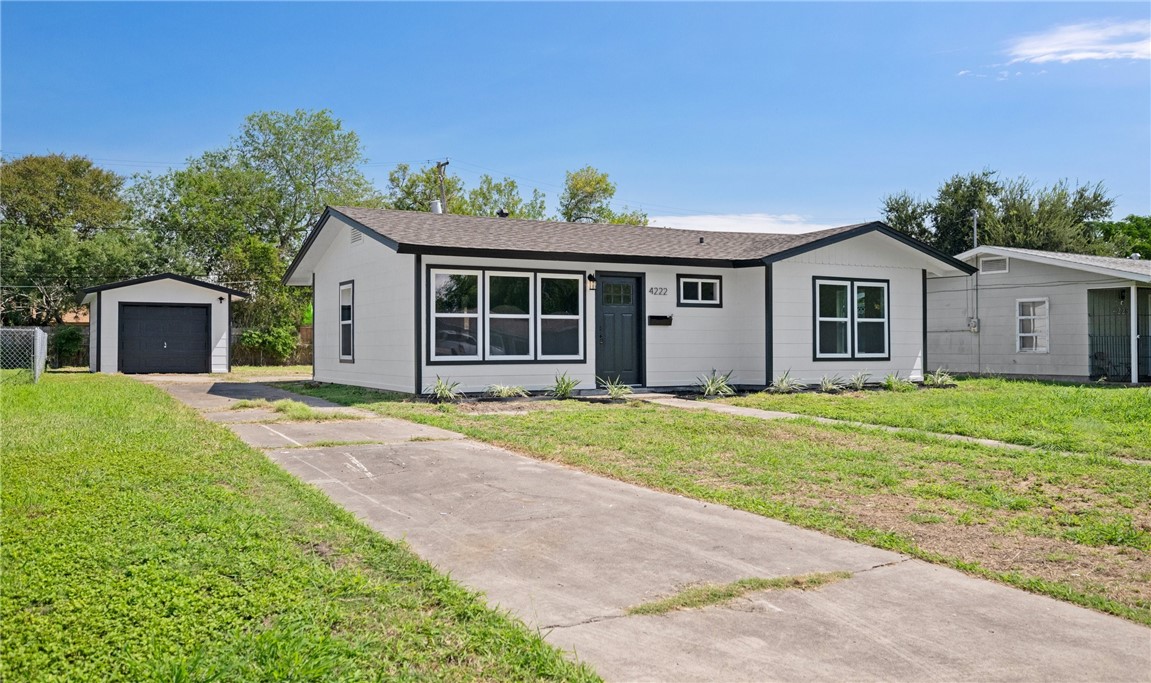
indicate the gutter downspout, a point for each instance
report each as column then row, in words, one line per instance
column 1134, row 307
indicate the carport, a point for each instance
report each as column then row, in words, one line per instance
column 161, row 323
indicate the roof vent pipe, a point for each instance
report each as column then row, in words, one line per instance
column 1135, row 256
column 437, row 207
column 503, row 213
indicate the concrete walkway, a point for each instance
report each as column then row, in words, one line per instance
column 568, row 552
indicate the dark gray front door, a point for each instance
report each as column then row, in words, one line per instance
column 618, row 328
column 164, row 338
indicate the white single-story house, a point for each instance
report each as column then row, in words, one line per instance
column 403, row 297
column 160, row 323
column 1043, row 315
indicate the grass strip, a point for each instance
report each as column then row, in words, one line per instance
column 696, row 597
column 295, row 411
column 140, row 542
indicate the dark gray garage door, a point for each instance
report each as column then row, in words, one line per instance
column 165, row 338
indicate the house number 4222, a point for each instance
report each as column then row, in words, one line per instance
column 658, row 291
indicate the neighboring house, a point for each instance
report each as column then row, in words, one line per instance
column 403, row 297
column 160, row 323
column 1044, row 315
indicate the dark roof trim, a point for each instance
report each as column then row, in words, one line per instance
column 573, row 256
column 167, row 276
column 356, row 225
column 874, row 226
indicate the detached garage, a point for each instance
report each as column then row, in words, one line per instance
column 160, row 323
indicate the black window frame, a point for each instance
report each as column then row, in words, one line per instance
column 484, row 357
column 350, row 285
column 680, row 303
column 853, row 320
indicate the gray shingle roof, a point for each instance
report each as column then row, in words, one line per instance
column 1126, row 265
column 427, row 231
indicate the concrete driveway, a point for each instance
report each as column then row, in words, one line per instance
column 569, row 552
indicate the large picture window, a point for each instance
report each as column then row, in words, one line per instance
column 1032, row 325
column 509, row 316
column 347, row 322
column 851, row 319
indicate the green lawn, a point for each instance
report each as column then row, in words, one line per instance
column 256, row 372
column 1076, row 527
column 1087, row 418
column 142, row 543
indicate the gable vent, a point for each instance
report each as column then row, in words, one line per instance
column 997, row 264
column 356, row 236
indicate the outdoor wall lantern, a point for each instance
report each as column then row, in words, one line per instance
column 591, row 282
column 221, row 299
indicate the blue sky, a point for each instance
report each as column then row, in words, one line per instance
column 761, row 116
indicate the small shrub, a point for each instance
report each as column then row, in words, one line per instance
column 278, row 342
column 858, row 381
column 444, row 391
column 564, row 386
column 939, row 378
column 616, row 389
column 831, row 385
column 893, row 382
column 502, row 391
column 716, row 384
column 786, row 384
column 67, row 340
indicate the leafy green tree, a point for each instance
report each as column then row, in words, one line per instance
column 492, row 196
column 414, row 190
column 1012, row 213
column 587, row 197
column 64, row 227
column 1128, row 236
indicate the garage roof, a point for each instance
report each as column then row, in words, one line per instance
column 234, row 294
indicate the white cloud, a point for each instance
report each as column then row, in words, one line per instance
column 964, row 72
column 1089, row 41
column 788, row 223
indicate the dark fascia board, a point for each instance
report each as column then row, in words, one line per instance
column 573, row 256
column 356, row 225
column 166, row 276
column 874, row 226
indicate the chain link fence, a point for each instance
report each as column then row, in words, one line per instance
column 23, row 353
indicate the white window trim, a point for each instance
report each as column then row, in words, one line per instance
column 579, row 279
column 818, row 319
column 886, row 316
column 1019, row 335
column 350, row 287
column 478, row 315
column 488, row 315
column 699, row 281
column 1006, row 265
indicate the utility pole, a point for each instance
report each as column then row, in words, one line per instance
column 975, row 228
column 443, row 193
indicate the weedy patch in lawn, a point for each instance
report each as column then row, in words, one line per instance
column 695, row 597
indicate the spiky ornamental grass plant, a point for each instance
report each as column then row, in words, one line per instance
column 893, row 382
column 504, row 391
column 564, row 386
column 444, row 391
column 786, row 384
column 616, row 389
column 831, row 385
column 858, row 381
column 716, row 384
column 939, row 378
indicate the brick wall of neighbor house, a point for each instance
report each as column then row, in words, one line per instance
column 383, row 315
column 871, row 256
column 698, row 340
column 951, row 302
column 162, row 291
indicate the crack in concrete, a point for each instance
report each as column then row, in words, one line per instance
column 584, row 622
column 884, row 564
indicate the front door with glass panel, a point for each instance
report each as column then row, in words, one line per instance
column 617, row 329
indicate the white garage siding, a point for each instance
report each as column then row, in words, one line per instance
column 105, row 317
column 871, row 256
column 383, row 315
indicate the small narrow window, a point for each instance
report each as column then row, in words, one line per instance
column 509, row 297
column 347, row 323
column 456, row 315
column 560, row 318
column 699, row 291
column 993, row 264
column 1032, row 325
